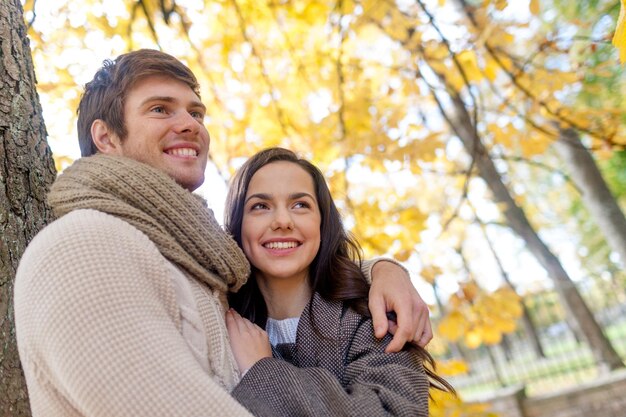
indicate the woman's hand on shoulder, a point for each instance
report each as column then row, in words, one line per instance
column 248, row 341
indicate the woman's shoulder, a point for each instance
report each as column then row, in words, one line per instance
column 340, row 320
column 352, row 332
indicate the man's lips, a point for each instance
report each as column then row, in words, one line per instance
column 184, row 150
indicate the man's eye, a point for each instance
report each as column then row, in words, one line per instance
column 158, row 109
column 197, row 115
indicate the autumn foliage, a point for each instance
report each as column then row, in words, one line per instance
column 364, row 88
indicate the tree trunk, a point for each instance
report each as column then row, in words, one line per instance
column 529, row 327
column 455, row 348
column 26, row 171
column 604, row 353
column 595, row 193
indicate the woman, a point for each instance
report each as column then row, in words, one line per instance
column 311, row 297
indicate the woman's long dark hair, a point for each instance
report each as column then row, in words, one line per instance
column 334, row 274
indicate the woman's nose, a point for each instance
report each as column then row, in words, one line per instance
column 282, row 220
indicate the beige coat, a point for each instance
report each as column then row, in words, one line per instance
column 106, row 326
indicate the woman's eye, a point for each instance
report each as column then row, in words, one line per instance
column 301, row 204
column 258, row 206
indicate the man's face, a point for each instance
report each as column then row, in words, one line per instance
column 164, row 120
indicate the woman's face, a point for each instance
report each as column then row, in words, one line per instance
column 280, row 232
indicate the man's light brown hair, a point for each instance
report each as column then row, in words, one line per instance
column 105, row 95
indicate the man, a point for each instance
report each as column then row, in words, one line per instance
column 119, row 303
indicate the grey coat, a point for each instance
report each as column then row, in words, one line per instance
column 343, row 371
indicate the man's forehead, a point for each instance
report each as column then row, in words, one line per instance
column 160, row 79
column 164, row 88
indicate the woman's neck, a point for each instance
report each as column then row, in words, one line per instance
column 285, row 298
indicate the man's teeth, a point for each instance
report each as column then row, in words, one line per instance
column 281, row 245
column 183, row 152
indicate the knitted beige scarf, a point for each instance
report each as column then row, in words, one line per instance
column 178, row 222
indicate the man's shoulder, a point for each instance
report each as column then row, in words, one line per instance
column 83, row 233
column 84, row 218
column 84, row 225
column 82, row 246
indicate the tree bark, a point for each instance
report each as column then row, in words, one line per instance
column 586, row 325
column 26, row 171
column 595, row 193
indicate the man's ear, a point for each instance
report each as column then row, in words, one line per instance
column 105, row 140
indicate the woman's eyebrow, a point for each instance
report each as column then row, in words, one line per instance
column 260, row 196
column 295, row 196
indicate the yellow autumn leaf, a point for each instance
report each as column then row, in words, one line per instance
column 398, row 26
column 374, row 9
column 501, row 4
column 61, row 162
column 504, row 325
column 468, row 61
column 426, row 148
column 456, row 81
column 491, row 69
column 430, row 273
column 453, row 326
column 473, row 338
column 534, row 7
column 490, row 335
column 452, row 367
column 470, row 290
column 502, row 135
column 535, row 144
column 513, row 308
column 455, row 301
column 415, row 168
column 314, row 12
column 403, row 255
column 505, row 292
column 412, row 218
column 435, row 51
column 619, row 38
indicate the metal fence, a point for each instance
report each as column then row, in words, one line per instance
column 555, row 358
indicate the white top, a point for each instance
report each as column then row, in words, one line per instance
column 282, row 331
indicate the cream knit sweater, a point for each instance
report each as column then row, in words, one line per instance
column 106, row 326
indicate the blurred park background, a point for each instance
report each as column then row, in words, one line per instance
column 480, row 142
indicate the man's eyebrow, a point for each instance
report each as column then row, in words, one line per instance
column 169, row 99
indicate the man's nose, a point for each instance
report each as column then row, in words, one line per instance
column 185, row 122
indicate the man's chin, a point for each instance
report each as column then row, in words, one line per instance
column 192, row 184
